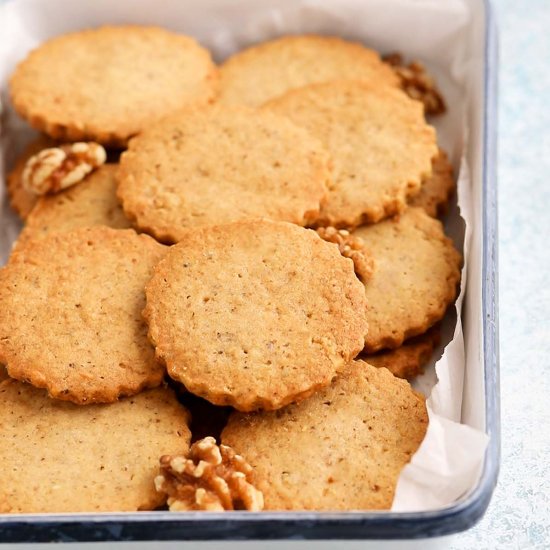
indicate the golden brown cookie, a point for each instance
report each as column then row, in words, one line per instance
column 22, row 200
column 415, row 277
column 109, row 83
column 341, row 449
column 408, row 360
column 255, row 314
column 219, row 165
column 380, row 143
column 70, row 315
column 436, row 190
column 59, row 457
column 91, row 202
column 265, row 71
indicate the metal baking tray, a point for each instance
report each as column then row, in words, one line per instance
column 296, row 526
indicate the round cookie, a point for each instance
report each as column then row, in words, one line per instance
column 109, row 83
column 71, row 320
column 408, row 360
column 218, row 165
column 341, row 449
column 22, row 200
column 415, row 277
column 380, row 143
column 436, row 190
column 265, row 71
column 255, row 314
column 59, row 457
column 91, row 202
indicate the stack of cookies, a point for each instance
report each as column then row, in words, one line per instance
column 224, row 314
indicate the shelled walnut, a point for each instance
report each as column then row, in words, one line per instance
column 210, row 477
column 56, row 168
column 350, row 247
column 418, row 84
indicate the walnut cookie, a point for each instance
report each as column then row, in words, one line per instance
column 415, row 277
column 59, row 457
column 341, row 449
column 221, row 164
column 379, row 141
column 91, row 202
column 71, row 320
column 436, row 190
column 265, row 71
column 409, row 359
column 255, row 314
column 108, row 84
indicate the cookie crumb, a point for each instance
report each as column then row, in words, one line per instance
column 417, row 83
column 56, row 168
column 350, row 247
column 209, row 477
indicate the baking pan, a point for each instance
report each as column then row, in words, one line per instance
column 461, row 515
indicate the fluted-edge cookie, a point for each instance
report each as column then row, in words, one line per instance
column 415, row 277
column 109, row 83
column 379, row 141
column 71, row 320
column 218, row 165
column 267, row 70
column 409, row 359
column 59, row 457
column 341, row 449
column 255, row 314
column 91, row 202
column 436, row 190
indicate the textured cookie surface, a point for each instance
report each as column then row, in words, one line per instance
column 59, row 457
column 263, row 72
column 380, row 143
column 220, row 165
column 70, row 315
column 91, row 202
column 255, row 314
column 21, row 200
column 109, row 83
column 341, row 449
column 436, row 190
column 415, row 277
column 408, row 360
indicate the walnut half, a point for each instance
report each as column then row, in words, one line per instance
column 209, row 477
column 57, row 168
column 350, row 247
column 418, row 84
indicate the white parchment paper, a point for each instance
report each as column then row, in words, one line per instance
column 439, row 33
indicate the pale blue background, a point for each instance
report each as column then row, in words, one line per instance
column 519, row 514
